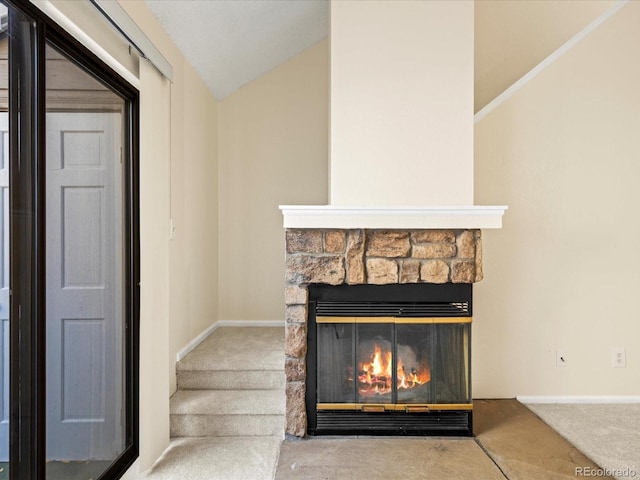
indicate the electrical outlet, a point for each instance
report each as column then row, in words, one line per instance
column 618, row 357
column 561, row 358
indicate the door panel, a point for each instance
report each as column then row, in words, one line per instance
column 84, row 282
column 83, row 369
column 83, row 250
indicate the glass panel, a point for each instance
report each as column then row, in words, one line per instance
column 415, row 345
column 84, row 252
column 335, row 363
column 375, row 364
column 403, row 363
column 450, row 368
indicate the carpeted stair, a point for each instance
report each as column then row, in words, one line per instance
column 232, row 385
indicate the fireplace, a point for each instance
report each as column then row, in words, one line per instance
column 378, row 331
column 400, row 214
column 389, row 360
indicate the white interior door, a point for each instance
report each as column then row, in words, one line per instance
column 4, row 286
column 84, row 286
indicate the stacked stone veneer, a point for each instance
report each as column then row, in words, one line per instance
column 353, row 257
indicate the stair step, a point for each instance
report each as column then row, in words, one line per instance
column 238, row 348
column 230, row 380
column 232, row 384
column 200, row 413
column 227, row 426
column 228, row 402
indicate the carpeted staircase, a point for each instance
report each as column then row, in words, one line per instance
column 232, row 385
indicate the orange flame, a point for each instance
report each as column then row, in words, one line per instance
column 413, row 378
column 375, row 376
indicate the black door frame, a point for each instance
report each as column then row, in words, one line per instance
column 27, row 99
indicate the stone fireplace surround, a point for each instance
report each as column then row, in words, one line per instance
column 356, row 257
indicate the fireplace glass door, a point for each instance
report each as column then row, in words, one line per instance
column 393, row 362
column 374, row 376
column 336, row 360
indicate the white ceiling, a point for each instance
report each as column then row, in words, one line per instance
column 232, row 42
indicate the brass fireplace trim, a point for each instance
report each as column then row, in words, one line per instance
column 373, row 408
column 396, row 320
column 394, row 407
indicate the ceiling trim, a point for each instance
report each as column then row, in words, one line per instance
column 125, row 26
column 568, row 45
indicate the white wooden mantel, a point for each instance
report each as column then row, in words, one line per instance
column 414, row 217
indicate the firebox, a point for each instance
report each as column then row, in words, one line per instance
column 389, row 359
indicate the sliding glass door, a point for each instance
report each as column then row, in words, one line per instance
column 69, row 274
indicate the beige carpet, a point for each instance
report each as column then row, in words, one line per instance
column 217, row 458
column 608, row 433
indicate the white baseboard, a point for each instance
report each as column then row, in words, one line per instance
column 578, row 399
column 251, row 323
column 189, row 347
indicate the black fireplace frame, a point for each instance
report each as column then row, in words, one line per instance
column 407, row 300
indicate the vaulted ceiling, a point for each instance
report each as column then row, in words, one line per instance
column 232, row 42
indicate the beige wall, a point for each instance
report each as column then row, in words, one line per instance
column 194, row 198
column 563, row 153
column 401, row 102
column 272, row 151
column 513, row 37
